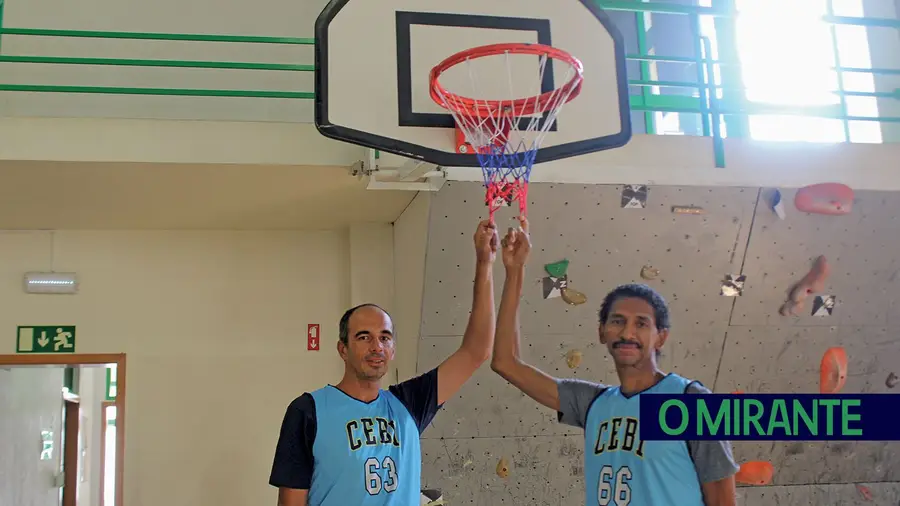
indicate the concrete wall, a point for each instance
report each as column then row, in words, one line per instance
column 30, row 402
column 214, row 328
column 410, row 246
column 727, row 343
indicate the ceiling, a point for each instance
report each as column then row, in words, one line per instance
column 70, row 195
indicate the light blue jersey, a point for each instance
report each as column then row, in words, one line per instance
column 348, row 452
column 364, row 451
column 621, row 469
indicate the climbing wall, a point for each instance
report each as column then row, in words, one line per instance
column 725, row 261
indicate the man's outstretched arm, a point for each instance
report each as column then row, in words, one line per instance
column 506, row 360
column 479, row 336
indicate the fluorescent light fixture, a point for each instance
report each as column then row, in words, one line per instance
column 51, row 282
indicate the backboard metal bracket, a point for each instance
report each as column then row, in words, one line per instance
column 413, row 175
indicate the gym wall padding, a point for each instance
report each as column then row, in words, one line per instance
column 728, row 343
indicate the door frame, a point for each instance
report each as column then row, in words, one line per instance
column 71, row 447
column 103, row 428
column 38, row 359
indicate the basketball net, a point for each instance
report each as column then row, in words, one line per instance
column 506, row 135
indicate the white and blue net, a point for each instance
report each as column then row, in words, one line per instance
column 505, row 140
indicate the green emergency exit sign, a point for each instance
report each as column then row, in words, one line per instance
column 45, row 339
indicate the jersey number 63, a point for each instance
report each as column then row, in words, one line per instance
column 381, row 475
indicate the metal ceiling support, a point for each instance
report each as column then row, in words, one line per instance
column 413, row 175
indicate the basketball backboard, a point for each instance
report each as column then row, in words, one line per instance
column 373, row 61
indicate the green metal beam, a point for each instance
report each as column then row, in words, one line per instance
column 840, row 76
column 188, row 92
column 862, row 21
column 252, row 39
column 660, row 7
column 666, row 8
column 644, row 66
column 157, row 63
column 875, row 71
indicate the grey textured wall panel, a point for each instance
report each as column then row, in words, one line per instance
column 542, row 470
column 606, row 246
column 728, row 343
column 769, row 359
column 883, row 494
column 821, row 462
column 861, row 249
column 786, row 359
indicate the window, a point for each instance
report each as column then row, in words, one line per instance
column 782, row 72
column 789, row 56
column 111, row 382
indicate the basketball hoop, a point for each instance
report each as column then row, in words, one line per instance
column 506, row 134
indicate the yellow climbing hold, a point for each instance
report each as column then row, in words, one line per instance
column 573, row 297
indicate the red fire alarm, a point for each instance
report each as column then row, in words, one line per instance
column 312, row 337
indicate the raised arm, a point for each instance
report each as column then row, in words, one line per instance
column 506, row 360
column 479, row 336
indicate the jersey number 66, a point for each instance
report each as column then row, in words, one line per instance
column 615, row 491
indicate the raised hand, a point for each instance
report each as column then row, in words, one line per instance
column 516, row 245
column 486, row 242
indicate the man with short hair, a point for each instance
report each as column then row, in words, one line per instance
column 620, row 468
column 356, row 444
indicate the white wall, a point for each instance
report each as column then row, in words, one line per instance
column 647, row 159
column 214, row 328
column 410, row 243
column 30, row 402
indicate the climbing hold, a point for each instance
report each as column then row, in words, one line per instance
column 891, row 380
column 688, row 210
column 431, row 497
column 634, row 196
column 648, row 272
column 755, row 473
column 573, row 297
column 825, row 198
column 833, row 371
column 557, row 269
column 573, row 358
column 503, row 468
column 823, row 305
column 865, row 492
column 737, row 392
column 552, row 287
column 778, row 205
column 733, row 286
column 813, row 282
